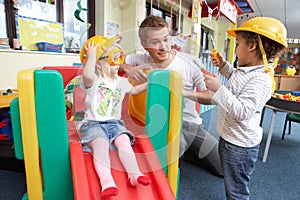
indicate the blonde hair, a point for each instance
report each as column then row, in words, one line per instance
column 102, row 68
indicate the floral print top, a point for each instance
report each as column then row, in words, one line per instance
column 104, row 99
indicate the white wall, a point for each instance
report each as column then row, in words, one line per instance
column 13, row 61
column 132, row 15
column 127, row 14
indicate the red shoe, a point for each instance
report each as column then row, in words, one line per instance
column 144, row 180
column 109, row 192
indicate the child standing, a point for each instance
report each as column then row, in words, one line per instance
column 240, row 102
column 102, row 128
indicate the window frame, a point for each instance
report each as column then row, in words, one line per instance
column 204, row 38
column 165, row 13
column 10, row 12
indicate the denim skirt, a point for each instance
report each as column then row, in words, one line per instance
column 109, row 130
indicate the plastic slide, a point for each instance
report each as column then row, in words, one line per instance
column 85, row 180
column 50, row 144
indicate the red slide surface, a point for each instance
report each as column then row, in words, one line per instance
column 85, row 180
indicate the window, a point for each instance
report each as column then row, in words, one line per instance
column 75, row 29
column 205, row 44
column 55, row 11
column 168, row 19
column 161, row 12
column 204, row 40
column 37, row 9
column 157, row 12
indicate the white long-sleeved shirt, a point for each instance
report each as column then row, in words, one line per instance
column 240, row 104
column 191, row 74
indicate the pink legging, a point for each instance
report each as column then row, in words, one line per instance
column 101, row 160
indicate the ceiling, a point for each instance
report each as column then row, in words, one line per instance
column 287, row 11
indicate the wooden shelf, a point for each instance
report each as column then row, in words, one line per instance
column 284, row 82
column 6, row 99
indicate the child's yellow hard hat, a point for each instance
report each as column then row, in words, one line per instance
column 103, row 44
column 270, row 28
column 266, row 26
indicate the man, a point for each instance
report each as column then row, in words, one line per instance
column 155, row 39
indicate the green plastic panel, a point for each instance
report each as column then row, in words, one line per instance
column 16, row 128
column 53, row 135
column 157, row 113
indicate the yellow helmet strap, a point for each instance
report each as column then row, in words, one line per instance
column 276, row 59
column 264, row 56
column 263, row 53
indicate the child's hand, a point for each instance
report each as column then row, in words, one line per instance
column 213, row 83
column 219, row 61
column 204, row 71
column 90, row 50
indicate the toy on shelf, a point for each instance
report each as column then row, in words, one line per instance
column 290, row 70
column 48, row 47
column 5, row 125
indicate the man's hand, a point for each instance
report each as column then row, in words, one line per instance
column 190, row 94
column 203, row 97
column 138, row 73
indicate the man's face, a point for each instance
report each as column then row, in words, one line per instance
column 158, row 44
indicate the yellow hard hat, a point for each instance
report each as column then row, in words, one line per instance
column 103, row 44
column 266, row 26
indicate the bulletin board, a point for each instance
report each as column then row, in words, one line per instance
column 287, row 58
column 31, row 31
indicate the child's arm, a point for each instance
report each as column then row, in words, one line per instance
column 89, row 67
column 138, row 89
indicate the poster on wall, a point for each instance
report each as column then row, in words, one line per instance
column 31, row 31
column 112, row 29
column 37, row 9
column 228, row 9
column 181, row 43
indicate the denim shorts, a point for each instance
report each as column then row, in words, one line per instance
column 109, row 130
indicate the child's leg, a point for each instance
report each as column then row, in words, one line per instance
column 101, row 160
column 238, row 165
column 129, row 162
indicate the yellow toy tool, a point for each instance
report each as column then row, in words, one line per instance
column 214, row 50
